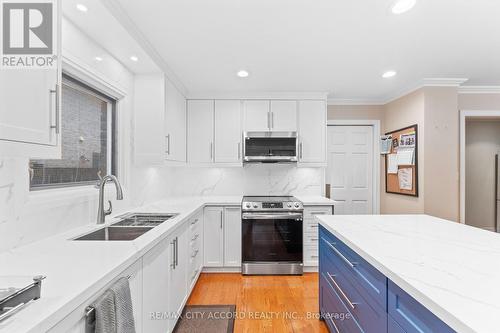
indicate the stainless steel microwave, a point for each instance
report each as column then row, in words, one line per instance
column 270, row 147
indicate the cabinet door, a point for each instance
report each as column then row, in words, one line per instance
column 257, row 116
column 149, row 105
column 284, row 116
column 228, row 131
column 178, row 274
column 28, row 103
column 155, row 270
column 175, row 124
column 213, row 241
column 232, row 237
column 200, row 131
column 312, row 131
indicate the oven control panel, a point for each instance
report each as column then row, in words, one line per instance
column 272, row 206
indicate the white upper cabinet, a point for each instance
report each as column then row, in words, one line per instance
column 175, row 124
column 312, row 131
column 283, row 116
column 149, row 112
column 257, row 115
column 200, row 128
column 228, row 134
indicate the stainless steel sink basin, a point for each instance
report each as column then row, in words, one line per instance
column 113, row 233
column 143, row 219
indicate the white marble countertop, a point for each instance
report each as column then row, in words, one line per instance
column 450, row 268
column 75, row 270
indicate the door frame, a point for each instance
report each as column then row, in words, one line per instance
column 464, row 114
column 376, row 153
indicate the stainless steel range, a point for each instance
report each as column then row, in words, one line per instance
column 272, row 235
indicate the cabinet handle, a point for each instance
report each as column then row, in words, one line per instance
column 334, row 325
column 269, row 119
column 195, row 237
column 272, row 120
column 300, row 150
column 221, row 219
column 173, row 254
column 314, row 239
column 194, row 222
column 57, row 125
column 347, row 261
column 176, row 251
column 168, row 144
column 195, row 253
column 211, row 151
column 239, row 151
column 351, row 304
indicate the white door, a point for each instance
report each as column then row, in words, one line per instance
column 175, row 123
column 28, row 103
column 232, row 237
column 257, row 116
column 312, row 131
column 228, row 131
column 200, row 131
column 350, row 168
column 213, row 237
column 284, row 116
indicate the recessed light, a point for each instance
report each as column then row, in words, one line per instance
column 389, row 74
column 134, row 58
column 242, row 73
column 98, row 59
column 82, row 8
column 401, row 6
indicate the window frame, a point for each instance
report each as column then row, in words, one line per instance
column 77, row 84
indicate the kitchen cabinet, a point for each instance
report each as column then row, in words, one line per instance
column 149, row 113
column 312, row 131
column 30, row 105
column 213, row 237
column 228, row 133
column 310, row 239
column 200, row 128
column 178, row 273
column 232, row 237
column 195, row 249
column 283, row 116
column 256, row 115
column 175, row 124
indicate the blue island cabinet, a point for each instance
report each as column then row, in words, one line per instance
column 355, row 297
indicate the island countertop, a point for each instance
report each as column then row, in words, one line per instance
column 450, row 268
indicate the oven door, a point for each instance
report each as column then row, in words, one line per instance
column 272, row 237
column 270, row 147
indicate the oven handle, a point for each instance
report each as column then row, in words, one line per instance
column 280, row 216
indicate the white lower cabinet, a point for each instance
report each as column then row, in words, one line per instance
column 222, row 237
column 177, row 285
column 75, row 321
column 310, row 228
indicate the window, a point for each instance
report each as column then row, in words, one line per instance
column 88, row 140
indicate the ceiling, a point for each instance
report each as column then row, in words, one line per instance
column 337, row 46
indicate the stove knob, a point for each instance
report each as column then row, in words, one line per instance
column 248, row 205
column 255, row 206
column 289, row 205
column 296, row 205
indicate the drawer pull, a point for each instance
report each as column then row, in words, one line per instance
column 314, row 257
column 334, row 325
column 314, row 239
column 194, row 222
column 314, row 226
column 195, row 254
column 195, row 237
column 332, row 246
column 351, row 304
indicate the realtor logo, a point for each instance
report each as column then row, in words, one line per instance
column 27, row 34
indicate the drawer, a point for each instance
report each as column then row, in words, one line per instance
column 195, row 241
column 311, row 256
column 310, row 212
column 412, row 316
column 336, row 316
column 366, row 279
column 311, row 226
column 195, row 223
column 369, row 317
column 311, row 238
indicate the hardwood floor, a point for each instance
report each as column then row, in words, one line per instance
column 264, row 303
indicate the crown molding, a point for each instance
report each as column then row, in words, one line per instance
column 122, row 17
column 258, row 95
column 443, row 82
column 479, row 90
column 354, row 101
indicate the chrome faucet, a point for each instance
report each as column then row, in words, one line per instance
column 101, row 213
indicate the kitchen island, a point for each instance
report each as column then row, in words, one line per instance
column 408, row 273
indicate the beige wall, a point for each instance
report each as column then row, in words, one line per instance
column 403, row 112
column 356, row 112
column 441, row 156
column 481, row 146
column 481, row 102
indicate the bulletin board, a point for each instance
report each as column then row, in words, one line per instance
column 404, row 181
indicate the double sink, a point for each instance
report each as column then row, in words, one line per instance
column 129, row 227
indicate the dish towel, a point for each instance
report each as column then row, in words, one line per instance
column 123, row 306
column 105, row 317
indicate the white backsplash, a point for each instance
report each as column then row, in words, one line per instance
column 253, row 179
